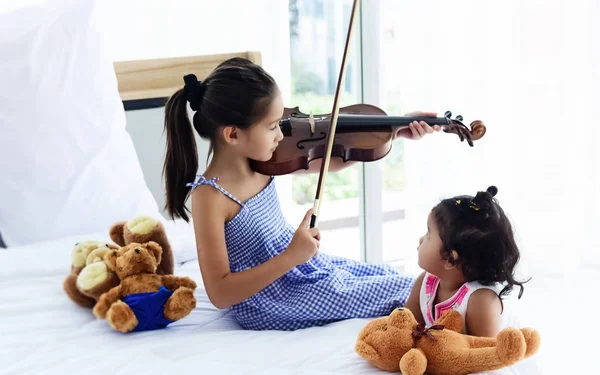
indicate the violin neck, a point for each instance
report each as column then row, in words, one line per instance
column 349, row 121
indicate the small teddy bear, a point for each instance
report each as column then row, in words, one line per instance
column 89, row 277
column 397, row 343
column 143, row 300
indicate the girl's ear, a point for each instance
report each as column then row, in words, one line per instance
column 452, row 261
column 231, row 134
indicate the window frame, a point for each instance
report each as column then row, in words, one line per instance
column 371, row 201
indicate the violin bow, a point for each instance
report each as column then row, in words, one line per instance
column 333, row 122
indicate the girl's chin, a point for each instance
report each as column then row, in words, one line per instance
column 266, row 157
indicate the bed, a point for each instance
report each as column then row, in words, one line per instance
column 81, row 184
column 44, row 332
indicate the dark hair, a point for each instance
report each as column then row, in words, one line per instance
column 479, row 231
column 238, row 92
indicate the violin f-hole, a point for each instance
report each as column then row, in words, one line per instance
column 299, row 144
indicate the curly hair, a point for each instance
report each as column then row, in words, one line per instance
column 479, row 231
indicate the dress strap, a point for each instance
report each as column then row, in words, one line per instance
column 212, row 182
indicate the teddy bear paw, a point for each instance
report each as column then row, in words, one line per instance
column 180, row 304
column 92, row 275
column 80, row 253
column 413, row 362
column 121, row 318
column 511, row 345
column 532, row 339
column 142, row 225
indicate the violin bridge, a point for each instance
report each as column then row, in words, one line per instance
column 311, row 121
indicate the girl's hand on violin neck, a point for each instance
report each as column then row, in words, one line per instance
column 305, row 242
column 417, row 130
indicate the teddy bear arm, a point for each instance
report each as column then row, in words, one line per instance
column 478, row 360
column 481, row 342
column 173, row 282
column 106, row 300
column 489, row 353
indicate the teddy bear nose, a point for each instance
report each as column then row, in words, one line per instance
column 137, row 251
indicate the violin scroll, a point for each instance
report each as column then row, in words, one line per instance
column 456, row 126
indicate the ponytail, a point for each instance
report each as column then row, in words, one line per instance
column 181, row 160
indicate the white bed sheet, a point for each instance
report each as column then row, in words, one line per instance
column 44, row 332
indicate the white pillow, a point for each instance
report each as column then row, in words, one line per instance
column 67, row 164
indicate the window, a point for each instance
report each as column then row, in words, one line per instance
column 505, row 66
column 397, row 242
column 317, row 39
column 319, row 13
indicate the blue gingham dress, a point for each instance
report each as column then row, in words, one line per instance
column 323, row 290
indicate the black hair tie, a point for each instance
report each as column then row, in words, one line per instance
column 194, row 91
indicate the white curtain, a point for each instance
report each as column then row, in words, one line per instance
column 529, row 71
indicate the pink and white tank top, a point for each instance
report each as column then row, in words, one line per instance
column 458, row 301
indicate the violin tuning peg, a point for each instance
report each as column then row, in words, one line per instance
column 459, row 118
column 448, row 114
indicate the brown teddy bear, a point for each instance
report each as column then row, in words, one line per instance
column 143, row 300
column 144, row 229
column 397, row 343
column 90, row 277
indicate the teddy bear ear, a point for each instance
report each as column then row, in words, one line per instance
column 402, row 317
column 111, row 260
column 155, row 249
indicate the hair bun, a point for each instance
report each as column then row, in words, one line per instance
column 492, row 190
column 484, row 200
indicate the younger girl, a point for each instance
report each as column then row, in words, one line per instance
column 252, row 261
column 468, row 252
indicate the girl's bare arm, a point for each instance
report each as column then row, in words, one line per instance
column 223, row 287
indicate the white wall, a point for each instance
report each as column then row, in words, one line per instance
column 146, row 129
column 150, row 29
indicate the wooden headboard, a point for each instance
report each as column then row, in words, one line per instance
column 148, row 83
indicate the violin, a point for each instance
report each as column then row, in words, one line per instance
column 365, row 133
